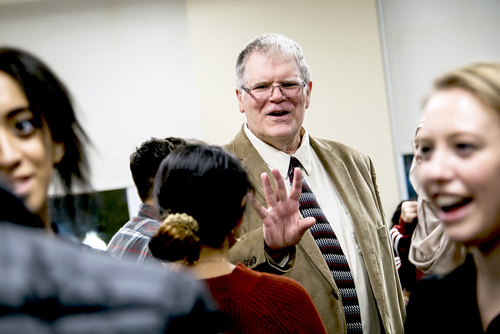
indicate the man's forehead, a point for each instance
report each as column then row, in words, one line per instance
column 262, row 66
column 272, row 57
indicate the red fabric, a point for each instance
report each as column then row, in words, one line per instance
column 401, row 239
column 257, row 302
column 404, row 229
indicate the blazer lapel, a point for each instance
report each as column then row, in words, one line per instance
column 336, row 169
column 250, row 158
column 363, row 225
column 255, row 165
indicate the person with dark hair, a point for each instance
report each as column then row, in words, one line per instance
column 338, row 248
column 459, row 172
column 132, row 239
column 48, row 284
column 201, row 192
column 40, row 132
column 404, row 221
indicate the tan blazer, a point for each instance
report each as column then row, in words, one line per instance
column 354, row 176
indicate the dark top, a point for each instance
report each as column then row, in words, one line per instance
column 49, row 285
column 448, row 304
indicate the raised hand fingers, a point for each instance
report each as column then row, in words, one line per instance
column 261, row 211
column 268, row 190
column 297, row 184
column 280, row 185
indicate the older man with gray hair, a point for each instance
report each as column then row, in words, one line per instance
column 336, row 243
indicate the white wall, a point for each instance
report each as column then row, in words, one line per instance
column 166, row 68
column 127, row 64
column 428, row 37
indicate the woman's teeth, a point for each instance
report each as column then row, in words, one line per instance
column 450, row 202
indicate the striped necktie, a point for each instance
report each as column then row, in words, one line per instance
column 329, row 246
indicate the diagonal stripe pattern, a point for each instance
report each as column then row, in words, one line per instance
column 329, row 246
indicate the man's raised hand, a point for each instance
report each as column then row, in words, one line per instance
column 283, row 227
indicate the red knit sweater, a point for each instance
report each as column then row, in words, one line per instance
column 257, row 302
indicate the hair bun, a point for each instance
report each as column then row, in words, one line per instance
column 182, row 219
column 176, row 239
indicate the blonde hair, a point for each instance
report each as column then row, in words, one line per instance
column 481, row 79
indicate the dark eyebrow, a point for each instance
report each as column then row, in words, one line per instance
column 15, row 112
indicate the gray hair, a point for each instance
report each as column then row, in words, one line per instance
column 274, row 46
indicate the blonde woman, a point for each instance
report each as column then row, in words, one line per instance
column 460, row 173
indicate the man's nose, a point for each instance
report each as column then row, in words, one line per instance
column 277, row 94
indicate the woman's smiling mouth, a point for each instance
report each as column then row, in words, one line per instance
column 452, row 207
column 449, row 203
column 21, row 186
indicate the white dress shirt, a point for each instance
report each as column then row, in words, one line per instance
column 336, row 213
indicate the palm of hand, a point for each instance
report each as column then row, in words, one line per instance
column 282, row 224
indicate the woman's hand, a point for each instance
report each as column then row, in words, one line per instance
column 409, row 211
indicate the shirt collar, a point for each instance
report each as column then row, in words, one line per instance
column 148, row 211
column 275, row 158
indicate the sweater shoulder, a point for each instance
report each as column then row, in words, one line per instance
column 286, row 290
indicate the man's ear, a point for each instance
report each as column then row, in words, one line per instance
column 58, row 152
column 239, row 95
column 308, row 93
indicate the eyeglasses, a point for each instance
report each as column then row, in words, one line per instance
column 264, row 91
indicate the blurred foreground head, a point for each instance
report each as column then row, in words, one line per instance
column 38, row 131
column 460, row 153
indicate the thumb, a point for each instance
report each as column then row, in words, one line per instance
column 305, row 224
